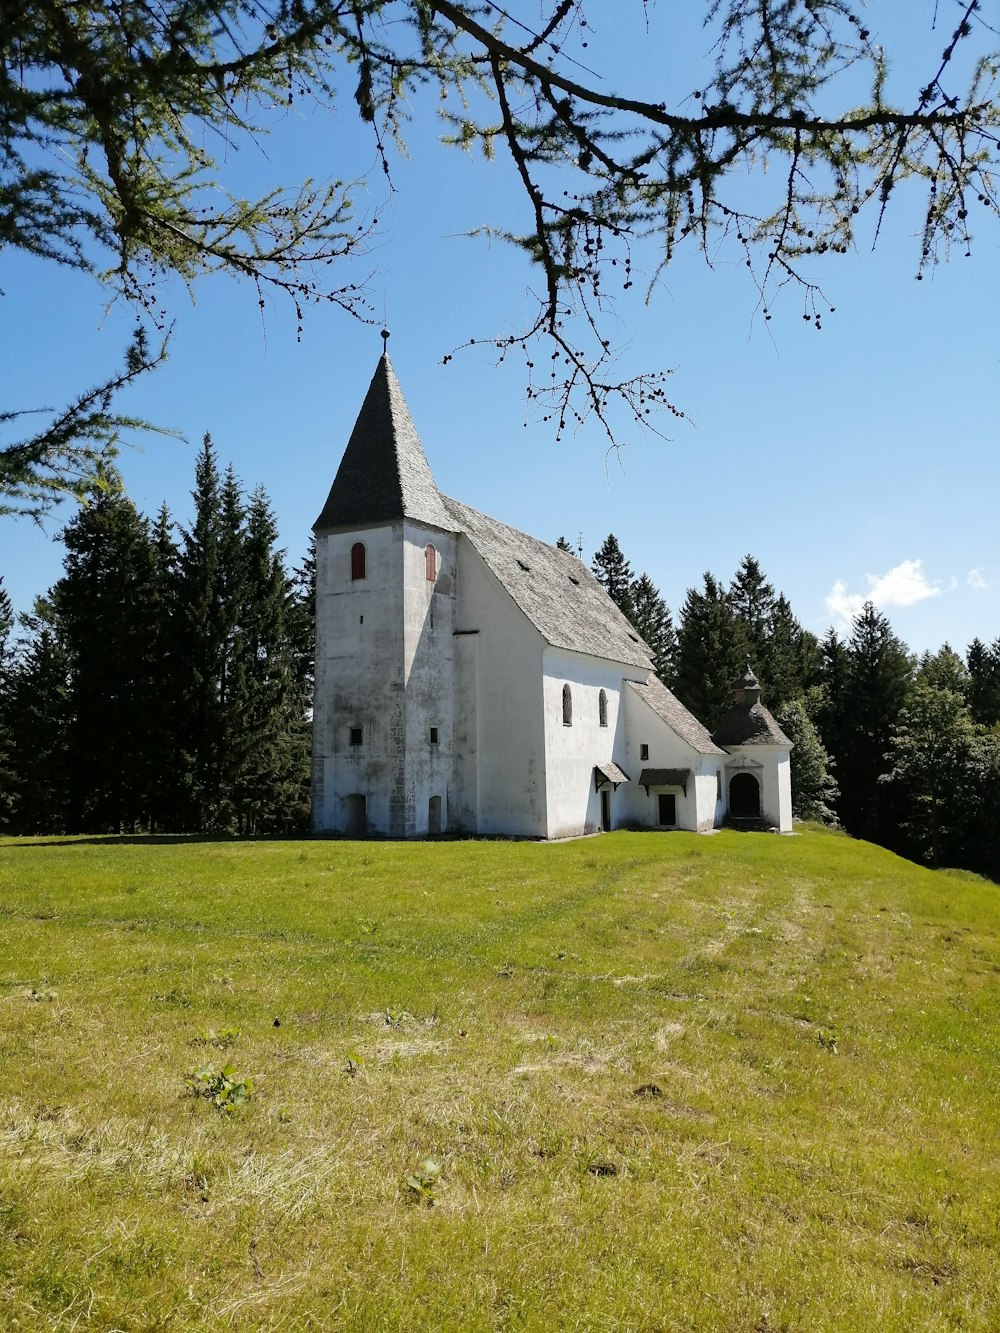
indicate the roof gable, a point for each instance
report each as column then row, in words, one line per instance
column 384, row 473
column 555, row 590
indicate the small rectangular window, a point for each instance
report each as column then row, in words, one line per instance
column 356, row 735
column 643, row 751
column 434, row 735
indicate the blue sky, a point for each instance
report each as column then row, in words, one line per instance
column 858, row 461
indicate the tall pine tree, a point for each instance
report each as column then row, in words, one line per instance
column 614, row 573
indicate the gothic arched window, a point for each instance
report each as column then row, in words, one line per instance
column 430, row 563
column 358, row 560
column 602, row 708
column 567, row 706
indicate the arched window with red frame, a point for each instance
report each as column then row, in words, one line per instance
column 358, row 561
column 430, row 563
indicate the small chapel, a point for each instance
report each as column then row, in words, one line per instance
column 471, row 679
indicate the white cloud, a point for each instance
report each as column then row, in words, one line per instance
column 976, row 579
column 903, row 585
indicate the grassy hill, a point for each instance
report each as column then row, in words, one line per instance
column 632, row 1082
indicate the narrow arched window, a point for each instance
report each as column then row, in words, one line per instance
column 358, row 560
column 430, row 563
column 567, row 706
column 602, row 708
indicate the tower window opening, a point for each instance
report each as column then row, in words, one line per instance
column 357, row 735
column 430, row 563
column 357, row 561
column 602, row 708
column 567, row 697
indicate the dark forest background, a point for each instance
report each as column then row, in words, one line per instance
column 164, row 685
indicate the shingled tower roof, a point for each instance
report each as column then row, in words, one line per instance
column 384, row 474
column 748, row 722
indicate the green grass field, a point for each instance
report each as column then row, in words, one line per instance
column 631, row 1082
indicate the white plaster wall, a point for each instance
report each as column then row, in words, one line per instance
column 774, row 776
column 429, row 672
column 359, row 678
column 697, row 809
column 574, row 803
column 499, row 740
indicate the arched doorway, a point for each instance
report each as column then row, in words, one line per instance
column 744, row 797
column 356, row 808
column 434, row 815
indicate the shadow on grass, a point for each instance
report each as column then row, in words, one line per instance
column 27, row 841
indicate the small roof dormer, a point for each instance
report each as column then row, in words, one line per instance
column 384, row 473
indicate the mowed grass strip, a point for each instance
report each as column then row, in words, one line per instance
column 631, row 1082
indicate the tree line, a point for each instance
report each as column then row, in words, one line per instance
column 164, row 683
column 901, row 750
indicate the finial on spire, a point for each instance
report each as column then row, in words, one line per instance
column 385, row 342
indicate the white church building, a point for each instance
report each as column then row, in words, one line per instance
column 471, row 679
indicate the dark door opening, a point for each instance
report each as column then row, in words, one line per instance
column 434, row 815
column 667, row 803
column 605, row 811
column 744, row 797
column 357, row 816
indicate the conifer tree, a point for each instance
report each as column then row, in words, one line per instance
column 39, row 706
column 271, row 787
column 105, row 611
column 651, row 617
column 614, row 573
column 751, row 597
column 203, row 632
column 7, row 778
column 710, row 652
column 878, row 683
column 984, row 682
column 563, row 545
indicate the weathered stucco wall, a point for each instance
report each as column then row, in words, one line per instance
column 429, row 673
column 359, row 679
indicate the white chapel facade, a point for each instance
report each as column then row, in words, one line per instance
column 471, row 679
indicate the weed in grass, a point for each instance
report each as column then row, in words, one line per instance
column 421, row 1184
column 221, row 1040
column 224, row 1088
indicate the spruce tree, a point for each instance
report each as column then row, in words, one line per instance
column 878, row 683
column 651, row 617
column 202, row 634
column 7, row 777
column 614, row 573
column 105, row 610
column 40, row 708
column 751, row 598
column 710, row 652
column 984, row 682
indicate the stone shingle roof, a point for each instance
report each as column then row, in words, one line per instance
column 749, row 724
column 682, row 723
column 384, row 474
column 665, row 777
column 557, row 593
column 609, row 772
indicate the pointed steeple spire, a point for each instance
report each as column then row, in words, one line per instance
column 384, row 473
